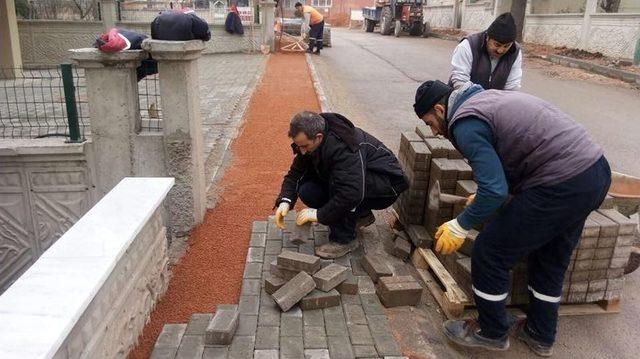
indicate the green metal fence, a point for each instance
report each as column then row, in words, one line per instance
column 36, row 103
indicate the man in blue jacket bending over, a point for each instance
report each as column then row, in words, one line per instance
column 519, row 144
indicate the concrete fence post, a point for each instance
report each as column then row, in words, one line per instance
column 267, row 18
column 591, row 7
column 109, row 13
column 112, row 92
column 182, row 126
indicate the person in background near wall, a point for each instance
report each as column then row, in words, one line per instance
column 313, row 21
column 233, row 24
column 491, row 58
column 183, row 25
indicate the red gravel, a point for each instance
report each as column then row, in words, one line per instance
column 210, row 273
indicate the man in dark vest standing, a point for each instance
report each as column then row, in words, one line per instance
column 518, row 144
column 491, row 58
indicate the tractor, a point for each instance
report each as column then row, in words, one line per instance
column 396, row 16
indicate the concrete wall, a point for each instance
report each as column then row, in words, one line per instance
column 555, row 30
column 439, row 15
column 558, row 6
column 477, row 17
column 91, row 293
column 45, row 43
column 45, row 187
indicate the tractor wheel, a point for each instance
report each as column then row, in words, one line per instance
column 385, row 21
column 426, row 29
column 416, row 29
column 370, row 25
column 397, row 30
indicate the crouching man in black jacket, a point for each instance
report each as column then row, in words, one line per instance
column 341, row 173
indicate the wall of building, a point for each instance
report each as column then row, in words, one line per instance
column 478, row 16
column 439, row 15
column 555, row 30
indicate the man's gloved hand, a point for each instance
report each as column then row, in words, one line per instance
column 307, row 215
column 283, row 209
column 470, row 200
column 450, row 237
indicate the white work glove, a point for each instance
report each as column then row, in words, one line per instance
column 307, row 215
column 450, row 237
column 283, row 209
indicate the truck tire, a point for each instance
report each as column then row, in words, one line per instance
column 397, row 29
column 385, row 21
column 416, row 29
column 369, row 25
column 426, row 29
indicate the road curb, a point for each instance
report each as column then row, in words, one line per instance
column 445, row 36
column 317, row 85
column 625, row 76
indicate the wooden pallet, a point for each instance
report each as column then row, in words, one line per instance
column 456, row 304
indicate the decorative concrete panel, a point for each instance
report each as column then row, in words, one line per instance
column 477, row 16
column 45, row 187
column 614, row 34
column 439, row 16
column 555, row 30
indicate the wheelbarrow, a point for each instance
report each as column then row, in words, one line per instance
column 625, row 191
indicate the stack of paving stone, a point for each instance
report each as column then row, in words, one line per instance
column 356, row 327
column 393, row 291
column 414, row 157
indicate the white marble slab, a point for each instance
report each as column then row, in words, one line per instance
column 39, row 310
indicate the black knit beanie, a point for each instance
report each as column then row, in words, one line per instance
column 428, row 94
column 503, row 28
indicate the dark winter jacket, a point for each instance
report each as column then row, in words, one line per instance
column 353, row 163
column 233, row 24
column 178, row 26
column 481, row 67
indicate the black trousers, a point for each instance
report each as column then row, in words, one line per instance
column 316, row 194
column 544, row 225
column 315, row 36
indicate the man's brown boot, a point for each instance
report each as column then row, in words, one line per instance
column 334, row 250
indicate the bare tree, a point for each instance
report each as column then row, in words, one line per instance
column 518, row 9
column 85, row 7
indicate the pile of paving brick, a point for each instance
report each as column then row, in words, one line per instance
column 597, row 265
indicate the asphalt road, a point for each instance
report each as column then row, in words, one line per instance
column 372, row 80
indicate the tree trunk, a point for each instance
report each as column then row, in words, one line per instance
column 518, row 8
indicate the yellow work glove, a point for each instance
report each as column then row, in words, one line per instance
column 470, row 200
column 307, row 215
column 450, row 237
column 283, row 209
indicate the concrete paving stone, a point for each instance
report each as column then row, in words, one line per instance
column 247, row 325
column 252, row 270
column 259, row 227
column 591, row 229
column 268, row 338
column 608, row 228
column 335, row 324
column 365, row 351
column 607, row 242
column 290, row 326
column 350, row 284
column 269, row 315
column 329, row 277
column 273, row 232
column 354, row 314
column 255, row 254
column 625, row 240
column 614, row 273
column 191, row 347
column 250, row 287
column 386, row 345
column 360, row 334
column 258, row 240
column 266, row 354
column 399, row 291
column 291, row 348
column 273, row 247
column 273, row 283
column 371, row 304
column 287, row 242
column 307, row 248
column 249, row 304
column 198, row 323
column 215, row 353
column 318, row 299
column 376, row 267
column 366, row 285
column 302, row 234
column 170, row 336
column 241, row 347
column 295, row 311
column 313, row 318
column 223, row 326
column 268, row 259
column 164, row 353
column 324, row 263
column 350, row 299
column 321, row 238
column 315, row 338
column 356, row 267
column 627, row 226
column 401, row 248
column 299, row 262
column 294, row 290
column 283, row 273
column 340, row 347
column 316, row 354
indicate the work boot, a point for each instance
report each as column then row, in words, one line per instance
column 467, row 334
column 540, row 348
column 366, row 220
column 317, row 52
column 334, row 250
